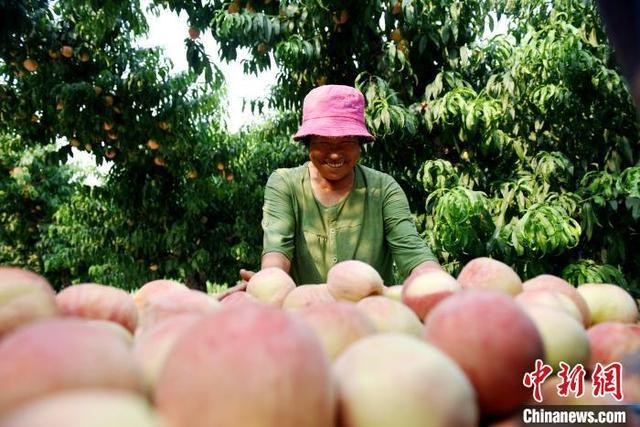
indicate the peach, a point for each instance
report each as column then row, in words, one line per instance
column 489, row 273
column 549, row 298
column 252, row 365
column 337, row 325
column 389, row 315
column 271, row 285
column 85, row 408
column 63, row 354
column 153, row 288
column 609, row 302
column 393, row 292
column 399, row 380
column 612, row 341
column 427, row 290
column 305, row 295
column 115, row 328
column 175, row 302
column 152, row 346
column 353, row 280
column 24, row 297
column 493, row 340
column 554, row 283
column 94, row 301
column 564, row 338
column 240, row 297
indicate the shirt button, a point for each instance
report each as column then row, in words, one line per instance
column 335, row 260
column 332, row 231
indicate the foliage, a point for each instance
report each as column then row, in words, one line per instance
column 519, row 142
column 31, row 191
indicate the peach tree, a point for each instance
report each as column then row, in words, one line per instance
column 520, row 146
column 73, row 79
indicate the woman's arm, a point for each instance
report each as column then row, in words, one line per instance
column 276, row 259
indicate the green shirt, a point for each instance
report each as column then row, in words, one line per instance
column 372, row 223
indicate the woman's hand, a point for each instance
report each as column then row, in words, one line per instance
column 245, row 276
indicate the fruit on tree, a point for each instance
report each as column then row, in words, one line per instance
column 489, row 273
column 94, row 301
column 63, row 354
column 253, row 365
column 271, row 285
column 609, row 302
column 194, row 33
column 30, row 65
column 153, row 144
column 353, row 280
column 337, row 325
column 24, row 297
column 396, row 35
column 424, row 292
column 557, row 284
column 399, row 380
column 389, row 315
column 66, row 51
column 493, row 340
column 306, row 295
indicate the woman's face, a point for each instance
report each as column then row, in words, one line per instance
column 334, row 157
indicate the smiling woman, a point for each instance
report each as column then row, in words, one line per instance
column 332, row 209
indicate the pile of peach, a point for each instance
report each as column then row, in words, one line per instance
column 436, row 351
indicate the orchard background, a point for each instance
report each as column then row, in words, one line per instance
column 522, row 146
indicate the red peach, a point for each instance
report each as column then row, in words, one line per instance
column 389, row 315
column 250, row 365
column 94, row 301
column 493, row 340
column 424, row 292
column 63, row 354
column 337, row 325
column 557, row 284
column 488, row 273
column 306, row 295
column 24, row 297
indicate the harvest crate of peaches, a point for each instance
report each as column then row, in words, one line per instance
column 439, row 350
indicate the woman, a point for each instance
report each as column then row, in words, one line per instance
column 332, row 209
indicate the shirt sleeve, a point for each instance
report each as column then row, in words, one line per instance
column 278, row 223
column 406, row 245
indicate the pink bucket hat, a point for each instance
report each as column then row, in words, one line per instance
column 333, row 110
